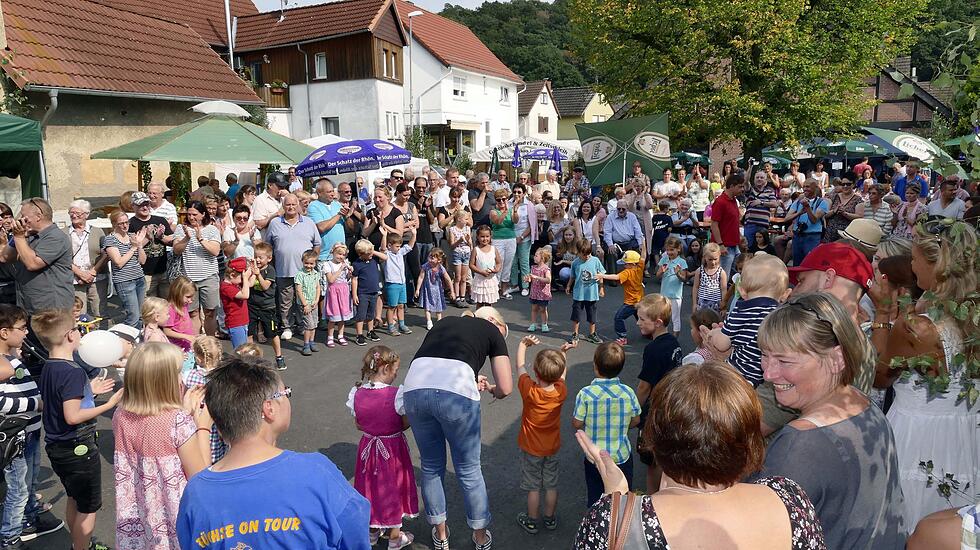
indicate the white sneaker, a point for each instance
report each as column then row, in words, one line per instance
column 287, row 334
column 510, row 291
column 525, row 292
column 428, row 325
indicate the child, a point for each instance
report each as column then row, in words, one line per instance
column 540, row 280
column 485, row 263
column 460, row 242
column 19, row 395
column 693, row 258
column 660, row 356
column 540, row 435
column 155, row 312
column 672, row 269
column 631, row 277
column 249, row 349
column 606, row 409
column 764, row 284
column 384, row 473
column 262, row 301
column 179, row 326
column 709, row 279
column 86, row 323
column 69, row 422
column 701, row 318
column 395, row 294
column 430, row 286
column 365, row 286
column 234, row 292
column 588, row 289
column 337, row 307
column 308, row 288
column 207, row 355
column 731, row 293
column 565, row 254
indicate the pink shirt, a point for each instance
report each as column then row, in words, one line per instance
column 180, row 321
column 154, row 334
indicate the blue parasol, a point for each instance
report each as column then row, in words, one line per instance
column 556, row 158
column 543, row 153
column 352, row 156
column 516, row 161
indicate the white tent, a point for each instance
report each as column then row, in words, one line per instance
column 505, row 151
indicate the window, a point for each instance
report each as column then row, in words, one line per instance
column 384, row 62
column 504, row 94
column 459, row 87
column 598, row 118
column 393, row 71
column 395, row 130
column 255, row 73
column 388, row 124
column 542, row 125
column 544, row 97
column 486, row 130
column 321, row 65
column 331, row 125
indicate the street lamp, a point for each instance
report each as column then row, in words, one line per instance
column 411, row 72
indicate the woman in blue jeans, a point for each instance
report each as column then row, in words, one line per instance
column 441, row 397
column 125, row 251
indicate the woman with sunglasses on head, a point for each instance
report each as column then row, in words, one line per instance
column 197, row 245
column 841, row 449
column 503, row 218
column 240, row 238
column 125, row 251
column 843, row 208
column 929, row 425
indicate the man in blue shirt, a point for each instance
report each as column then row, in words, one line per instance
column 807, row 213
column 258, row 495
column 911, row 175
column 328, row 214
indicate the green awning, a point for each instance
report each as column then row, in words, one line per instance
column 920, row 148
column 20, row 153
column 214, row 138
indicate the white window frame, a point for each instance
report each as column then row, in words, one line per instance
column 384, row 62
column 459, row 88
column 316, row 65
column 544, row 97
column 324, row 122
column 505, row 95
column 393, row 72
column 598, row 118
column 504, row 134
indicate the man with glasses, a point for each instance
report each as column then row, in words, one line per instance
column 328, row 214
column 501, row 182
column 480, row 202
column 297, row 500
column 160, row 206
column 295, row 182
column 354, row 220
column 622, row 232
column 396, row 177
column 39, row 260
column 87, row 261
column 424, row 236
column 159, row 236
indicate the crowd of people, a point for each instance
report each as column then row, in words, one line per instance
column 833, row 321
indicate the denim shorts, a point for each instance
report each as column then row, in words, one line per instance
column 461, row 257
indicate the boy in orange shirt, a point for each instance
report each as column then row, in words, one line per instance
column 631, row 277
column 540, row 437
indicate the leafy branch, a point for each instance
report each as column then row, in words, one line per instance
column 946, row 484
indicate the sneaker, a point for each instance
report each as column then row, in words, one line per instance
column 621, row 341
column 13, row 544
column 575, row 337
column 96, row 545
column 313, row 347
column 470, row 301
column 550, row 523
column 428, row 325
column 280, row 363
column 373, row 336
column 393, row 330
column 287, row 334
column 509, row 291
column 405, row 539
column 440, row 544
column 45, row 523
column 306, row 350
column 527, row 523
column 594, row 338
column 507, row 296
column 360, row 340
column 404, row 329
column 533, row 327
column 525, row 292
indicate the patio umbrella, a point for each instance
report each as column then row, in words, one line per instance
column 556, row 158
column 219, row 107
column 352, row 156
column 963, row 141
column 516, row 161
column 920, row 148
column 494, row 163
column 687, row 157
column 778, row 163
column 544, row 153
column 848, row 148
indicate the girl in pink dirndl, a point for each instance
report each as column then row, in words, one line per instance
column 384, row 472
column 337, row 272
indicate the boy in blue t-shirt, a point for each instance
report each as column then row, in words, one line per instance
column 672, row 269
column 366, row 288
column 587, row 289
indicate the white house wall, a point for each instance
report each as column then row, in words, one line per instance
column 360, row 105
column 530, row 123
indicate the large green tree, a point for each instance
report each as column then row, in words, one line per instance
column 758, row 71
column 934, row 39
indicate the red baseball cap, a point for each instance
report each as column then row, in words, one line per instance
column 844, row 259
column 239, row 264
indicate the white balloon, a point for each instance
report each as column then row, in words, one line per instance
column 100, row 348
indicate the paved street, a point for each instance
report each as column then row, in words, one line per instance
column 321, row 423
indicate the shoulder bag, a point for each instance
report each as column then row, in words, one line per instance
column 625, row 523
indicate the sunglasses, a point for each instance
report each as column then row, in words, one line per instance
column 286, row 392
column 938, row 226
column 811, row 311
column 241, row 218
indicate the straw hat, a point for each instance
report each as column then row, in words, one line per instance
column 864, row 231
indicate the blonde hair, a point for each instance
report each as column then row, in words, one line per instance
column 337, row 245
column 116, row 214
column 249, row 349
column 764, row 273
column 375, row 360
column 152, row 379
column 893, row 246
column 654, row 306
column 673, row 242
column 549, row 364
column 491, row 314
column 207, row 350
column 501, row 194
column 152, row 307
column 710, row 248
column 52, row 325
column 954, row 256
column 363, row 247
column 180, row 287
column 460, row 214
column 545, row 252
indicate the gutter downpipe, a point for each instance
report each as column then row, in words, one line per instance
column 231, row 47
column 53, row 96
column 309, row 109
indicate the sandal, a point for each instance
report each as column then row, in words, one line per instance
column 404, row 540
column 330, row 343
column 486, row 545
column 550, row 523
column 44, row 506
column 440, row 544
column 527, row 523
column 342, row 341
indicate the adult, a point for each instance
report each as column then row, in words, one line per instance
column 843, row 209
column 446, row 213
column 127, row 255
column 502, row 220
column 668, row 189
column 233, row 186
column 578, row 187
column 699, row 191
column 239, row 240
column 305, row 499
column 196, row 246
column 823, row 178
column 39, row 260
column 618, row 194
column 724, row 220
column 908, row 213
column 421, row 199
column 794, row 173
column 587, row 228
column 948, row 205
column 268, row 205
column 328, row 214
column 860, row 167
column 549, row 184
column 87, row 261
column 867, row 177
column 640, row 202
column 501, row 181
column 395, row 177
column 760, row 199
column 807, row 214
column 290, row 235
column 246, row 196
column 159, row 235
column 383, row 213
column 354, row 221
column 439, row 189
column 441, row 396
column 525, row 233
column 622, row 232
column 703, row 430
column 684, row 223
column 160, row 206
column 557, row 220
column 402, row 201
column 929, row 425
column 877, row 209
column 295, row 182
column 911, row 175
column 481, row 200
column 841, row 449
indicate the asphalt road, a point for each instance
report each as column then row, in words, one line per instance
column 321, row 423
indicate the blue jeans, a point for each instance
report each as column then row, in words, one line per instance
column 803, row 243
column 438, row 417
column 238, row 335
column 728, row 260
column 131, row 294
column 20, row 506
column 521, row 267
column 624, row 312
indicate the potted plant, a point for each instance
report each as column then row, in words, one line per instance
column 278, row 86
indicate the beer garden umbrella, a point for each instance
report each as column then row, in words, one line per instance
column 352, row 156
column 919, row 148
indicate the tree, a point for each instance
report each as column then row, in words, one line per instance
column 758, row 71
column 934, row 41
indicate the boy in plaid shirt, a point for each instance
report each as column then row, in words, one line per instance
column 606, row 409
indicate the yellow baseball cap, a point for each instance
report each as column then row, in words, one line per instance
column 631, row 257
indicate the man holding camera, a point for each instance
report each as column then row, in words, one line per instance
column 808, row 212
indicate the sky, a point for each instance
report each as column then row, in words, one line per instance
column 431, row 5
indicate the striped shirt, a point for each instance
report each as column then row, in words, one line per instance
column 198, row 377
column 199, row 264
column 19, row 394
column 709, row 288
column 166, row 210
column 132, row 269
column 882, row 214
column 756, row 208
column 742, row 326
column 607, row 406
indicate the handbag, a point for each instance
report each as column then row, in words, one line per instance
column 625, row 523
column 12, row 436
column 175, row 266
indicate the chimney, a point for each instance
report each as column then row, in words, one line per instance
column 914, row 75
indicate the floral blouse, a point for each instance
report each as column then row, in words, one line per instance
column 593, row 532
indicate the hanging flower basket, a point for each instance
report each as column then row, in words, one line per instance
column 277, row 86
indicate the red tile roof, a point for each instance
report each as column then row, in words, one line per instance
column 307, row 23
column 453, row 43
column 84, row 45
column 206, row 17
